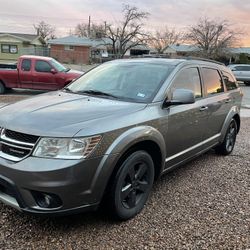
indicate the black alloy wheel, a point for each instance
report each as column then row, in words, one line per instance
column 227, row 145
column 132, row 185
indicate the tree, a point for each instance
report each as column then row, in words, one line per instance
column 129, row 32
column 45, row 30
column 161, row 39
column 92, row 31
column 212, row 37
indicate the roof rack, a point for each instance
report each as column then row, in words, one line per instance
column 202, row 59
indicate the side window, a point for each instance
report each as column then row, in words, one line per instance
column 26, row 65
column 242, row 68
column 212, row 80
column 42, row 66
column 229, row 81
column 188, row 79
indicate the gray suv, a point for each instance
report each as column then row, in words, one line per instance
column 110, row 134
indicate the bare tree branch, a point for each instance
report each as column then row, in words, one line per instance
column 96, row 30
column 212, row 37
column 45, row 30
column 129, row 32
column 161, row 39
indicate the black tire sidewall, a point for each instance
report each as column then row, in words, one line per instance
column 2, row 88
column 120, row 211
column 226, row 151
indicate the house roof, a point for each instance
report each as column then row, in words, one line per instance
column 25, row 37
column 240, row 50
column 84, row 41
column 184, row 47
column 71, row 40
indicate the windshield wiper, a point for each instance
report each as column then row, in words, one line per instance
column 96, row 92
column 67, row 89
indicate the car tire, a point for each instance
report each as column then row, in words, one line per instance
column 247, row 83
column 227, row 146
column 131, row 186
column 2, row 88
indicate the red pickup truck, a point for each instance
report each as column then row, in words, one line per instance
column 36, row 72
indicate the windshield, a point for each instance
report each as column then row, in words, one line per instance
column 131, row 81
column 58, row 66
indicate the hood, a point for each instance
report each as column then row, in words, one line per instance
column 62, row 114
column 75, row 72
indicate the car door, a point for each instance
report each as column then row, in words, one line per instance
column 242, row 72
column 25, row 75
column 186, row 123
column 217, row 103
column 43, row 76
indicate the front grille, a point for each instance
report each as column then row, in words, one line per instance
column 15, row 146
column 20, row 136
column 12, row 150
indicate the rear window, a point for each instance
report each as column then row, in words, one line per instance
column 229, row 81
column 26, row 65
column 212, row 80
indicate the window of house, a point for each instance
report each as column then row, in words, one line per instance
column 26, row 65
column 69, row 47
column 229, row 81
column 7, row 48
column 188, row 79
column 42, row 66
column 212, row 80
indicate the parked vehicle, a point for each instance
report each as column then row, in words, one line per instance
column 111, row 133
column 241, row 72
column 36, row 72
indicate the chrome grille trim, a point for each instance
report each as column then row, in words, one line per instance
column 4, row 138
column 14, row 147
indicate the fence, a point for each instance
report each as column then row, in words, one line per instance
column 37, row 51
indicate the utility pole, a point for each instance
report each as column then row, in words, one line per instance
column 89, row 26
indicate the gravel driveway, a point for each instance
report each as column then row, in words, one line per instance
column 203, row 205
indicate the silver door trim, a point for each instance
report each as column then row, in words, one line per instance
column 193, row 147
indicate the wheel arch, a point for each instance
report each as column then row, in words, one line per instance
column 232, row 114
column 138, row 138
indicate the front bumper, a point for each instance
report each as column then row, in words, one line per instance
column 76, row 184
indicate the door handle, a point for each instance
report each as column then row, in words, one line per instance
column 228, row 100
column 203, row 108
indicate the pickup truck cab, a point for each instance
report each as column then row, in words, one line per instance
column 36, row 72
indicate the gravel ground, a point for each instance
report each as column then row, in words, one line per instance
column 202, row 205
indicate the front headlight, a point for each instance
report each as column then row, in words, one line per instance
column 66, row 148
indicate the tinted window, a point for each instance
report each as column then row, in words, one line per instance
column 188, row 79
column 242, row 68
column 212, row 81
column 26, row 65
column 229, row 81
column 42, row 66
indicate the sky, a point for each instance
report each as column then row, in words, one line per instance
column 20, row 15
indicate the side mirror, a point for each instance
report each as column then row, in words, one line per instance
column 181, row 96
column 53, row 71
